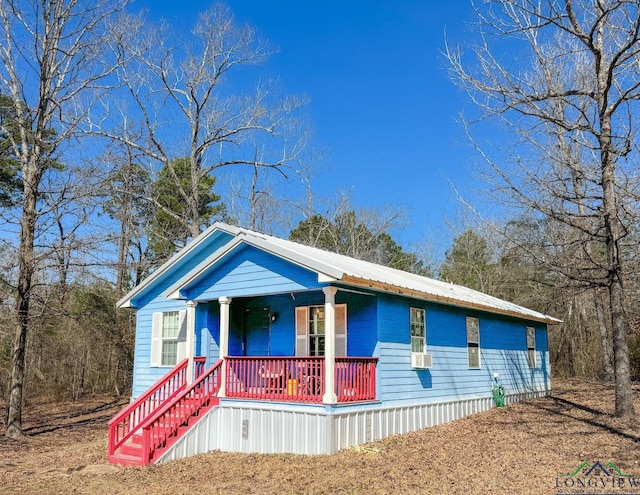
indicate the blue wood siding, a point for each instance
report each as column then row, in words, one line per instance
column 180, row 268
column 361, row 323
column 503, row 350
column 252, row 272
column 151, row 301
column 143, row 374
column 208, row 331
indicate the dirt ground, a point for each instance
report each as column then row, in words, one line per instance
column 522, row 449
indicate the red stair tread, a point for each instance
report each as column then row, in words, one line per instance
column 167, row 434
column 172, row 440
column 125, row 460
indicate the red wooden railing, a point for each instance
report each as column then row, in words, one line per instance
column 299, row 379
column 355, row 379
column 198, row 362
column 124, row 424
column 276, row 378
column 165, row 422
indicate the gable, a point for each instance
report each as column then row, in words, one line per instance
column 300, row 267
column 249, row 271
column 181, row 263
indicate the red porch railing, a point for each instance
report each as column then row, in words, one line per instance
column 163, row 426
column 355, row 379
column 299, row 379
column 124, row 424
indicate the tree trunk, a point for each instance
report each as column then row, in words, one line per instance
column 122, row 256
column 612, row 227
column 26, row 266
column 604, row 337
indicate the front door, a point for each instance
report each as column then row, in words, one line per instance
column 257, row 326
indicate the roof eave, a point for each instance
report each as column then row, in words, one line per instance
column 374, row 285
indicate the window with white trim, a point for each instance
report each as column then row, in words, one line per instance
column 531, row 347
column 168, row 338
column 316, row 331
column 418, row 330
column 170, row 330
column 473, row 341
column 310, row 330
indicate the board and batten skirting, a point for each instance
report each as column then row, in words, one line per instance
column 275, row 428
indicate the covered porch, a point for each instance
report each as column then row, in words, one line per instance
column 284, row 348
column 300, row 379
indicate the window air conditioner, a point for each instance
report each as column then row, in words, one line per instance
column 420, row 360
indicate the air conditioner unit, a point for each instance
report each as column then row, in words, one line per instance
column 420, row 360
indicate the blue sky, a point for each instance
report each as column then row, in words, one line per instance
column 381, row 105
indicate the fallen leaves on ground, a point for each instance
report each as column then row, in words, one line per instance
column 520, row 449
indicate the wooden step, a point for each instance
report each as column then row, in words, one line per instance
column 130, row 454
column 132, row 450
column 171, row 440
column 125, row 460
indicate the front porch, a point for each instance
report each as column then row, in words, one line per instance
column 299, row 379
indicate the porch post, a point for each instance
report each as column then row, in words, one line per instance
column 329, row 396
column 224, row 341
column 191, row 338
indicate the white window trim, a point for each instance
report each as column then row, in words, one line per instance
column 535, row 358
column 302, row 330
column 466, row 321
column 155, row 360
column 424, row 328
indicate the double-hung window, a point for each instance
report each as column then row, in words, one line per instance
column 418, row 330
column 418, row 325
column 473, row 342
column 170, row 330
column 310, row 330
column 531, row 347
column 316, row 331
column 168, row 338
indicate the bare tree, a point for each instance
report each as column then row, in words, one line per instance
column 569, row 94
column 128, row 185
column 51, row 58
column 180, row 103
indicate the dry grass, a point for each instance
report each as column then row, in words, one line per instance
column 520, row 449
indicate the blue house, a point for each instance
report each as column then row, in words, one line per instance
column 250, row 343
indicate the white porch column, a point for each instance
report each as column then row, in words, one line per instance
column 191, row 338
column 224, row 340
column 329, row 396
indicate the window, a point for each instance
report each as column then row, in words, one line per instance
column 473, row 342
column 310, row 330
column 316, row 331
column 531, row 347
column 418, row 330
column 170, row 330
column 168, row 338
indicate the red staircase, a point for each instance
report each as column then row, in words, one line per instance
column 150, row 425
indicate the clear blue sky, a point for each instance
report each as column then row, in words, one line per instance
column 381, row 103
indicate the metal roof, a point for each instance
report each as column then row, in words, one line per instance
column 337, row 268
column 366, row 274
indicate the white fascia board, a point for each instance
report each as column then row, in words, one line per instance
column 125, row 302
column 174, row 291
column 326, row 279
